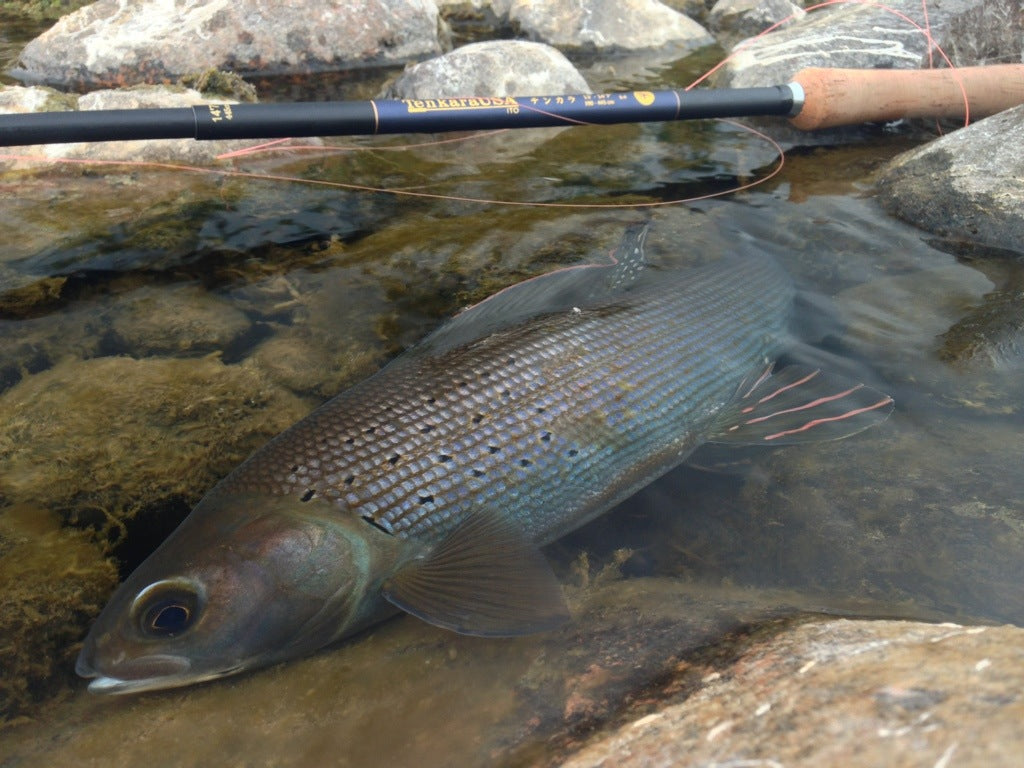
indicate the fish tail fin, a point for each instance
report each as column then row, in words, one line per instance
column 800, row 405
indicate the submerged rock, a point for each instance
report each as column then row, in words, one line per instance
column 104, row 441
column 148, row 41
column 494, row 68
column 181, row 319
column 55, row 581
column 842, row 693
column 968, row 185
column 992, row 336
column 608, row 25
column 513, row 698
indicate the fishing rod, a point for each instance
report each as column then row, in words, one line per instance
column 816, row 98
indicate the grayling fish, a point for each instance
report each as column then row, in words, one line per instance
column 430, row 486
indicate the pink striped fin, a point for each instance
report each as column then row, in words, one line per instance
column 800, row 405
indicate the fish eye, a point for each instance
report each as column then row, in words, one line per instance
column 166, row 608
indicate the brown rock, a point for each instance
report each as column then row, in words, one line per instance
column 842, row 693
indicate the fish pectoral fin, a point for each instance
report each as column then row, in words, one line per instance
column 800, row 405
column 485, row 578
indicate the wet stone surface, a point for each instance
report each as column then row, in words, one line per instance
column 841, row 693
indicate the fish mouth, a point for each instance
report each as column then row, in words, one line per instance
column 147, row 673
column 107, row 685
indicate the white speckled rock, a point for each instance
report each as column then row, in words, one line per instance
column 628, row 25
column 494, row 68
column 118, row 42
column 858, row 36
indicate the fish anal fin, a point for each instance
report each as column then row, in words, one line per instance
column 485, row 578
column 800, row 405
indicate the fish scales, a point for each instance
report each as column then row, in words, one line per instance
column 552, row 421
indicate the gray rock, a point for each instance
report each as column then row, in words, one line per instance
column 862, row 36
column 495, row 68
column 967, row 185
column 625, row 25
column 118, row 42
column 991, row 32
column 842, row 693
column 735, row 20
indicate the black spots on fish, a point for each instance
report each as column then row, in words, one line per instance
column 493, row 449
column 545, row 437
column 477, row 472
column 350, row 441
column 294, row 468
column 505, row 393
column 349, row 479
column 541, row 409
column 510, row 361
column 443, row 458
column 369, row 430
column 308, row 495
column 525, row 462
column 477, row 418
column 424, row 497
column 461, row 384
column 427, row 429
column 394, row 459
column 430, row 399
column 573, row 453
column 373, row 521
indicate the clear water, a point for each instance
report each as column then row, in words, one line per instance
column 313, row 287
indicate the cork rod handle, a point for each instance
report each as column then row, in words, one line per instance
column 848, row 96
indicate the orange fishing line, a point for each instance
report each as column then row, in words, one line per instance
column 282, row 145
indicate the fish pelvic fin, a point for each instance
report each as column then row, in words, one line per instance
column 800, row 404
column 485, row 578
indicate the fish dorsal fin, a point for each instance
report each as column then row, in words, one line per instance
column 579, row 286
column 800, row 404
column 485, row 578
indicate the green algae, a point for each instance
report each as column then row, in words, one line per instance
column 49, row 10
column 213, row 83
column 112, row 441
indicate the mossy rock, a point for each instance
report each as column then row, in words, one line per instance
column 108, row 440
column 55, row 580
column 41, row 9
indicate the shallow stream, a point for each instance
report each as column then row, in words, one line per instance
column 157, row 326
